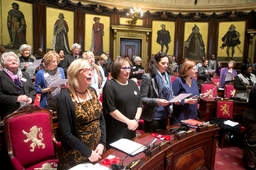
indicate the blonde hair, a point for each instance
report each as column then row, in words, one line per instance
column 74, row 69
column 48, row 57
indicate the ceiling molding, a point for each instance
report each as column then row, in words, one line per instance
column 177, row 6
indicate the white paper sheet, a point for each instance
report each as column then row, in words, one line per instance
column 89, row 166
column 229, row 77
column 128, row 146
column 211, row 71
column 180, row 97
column 58, row 83
column 141, row 71
column 230, row 123
column 35, row 64
column 209, row 92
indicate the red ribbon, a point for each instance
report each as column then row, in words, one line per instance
column 162, row 137
column 108, row 162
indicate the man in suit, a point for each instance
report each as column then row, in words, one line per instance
column 75, row 53
column 163, row 38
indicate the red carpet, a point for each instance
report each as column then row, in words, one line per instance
column 229, row 158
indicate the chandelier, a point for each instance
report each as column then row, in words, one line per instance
column 135, row 14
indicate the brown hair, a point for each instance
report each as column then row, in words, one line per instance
column 116, row 66
column 185, row 67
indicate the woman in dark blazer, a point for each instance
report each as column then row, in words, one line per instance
column 156, row 93
column 16, row 87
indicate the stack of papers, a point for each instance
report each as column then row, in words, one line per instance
column 231, row 123
column 128, row 146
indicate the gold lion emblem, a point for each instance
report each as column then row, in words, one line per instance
column 225, row 109
column 35, row 136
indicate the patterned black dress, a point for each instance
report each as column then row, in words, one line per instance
column 88, row 123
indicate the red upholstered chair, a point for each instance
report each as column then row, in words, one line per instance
column 29, row 138
column 215, row 80
column 229, row 91
column 210, row 88
column 225, row 109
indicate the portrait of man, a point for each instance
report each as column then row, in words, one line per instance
column 60, row 37
column 231, row 40
column 194, row 45
column 16, row 27
column 97, row 37
column 163, row 38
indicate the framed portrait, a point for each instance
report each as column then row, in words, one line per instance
column 231, row 40
column 17, row 18
column 59, row 29
column 195, row 40
column 163, row 37
column 97, row 34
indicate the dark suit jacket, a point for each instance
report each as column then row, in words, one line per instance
column 149, row 95
column 67, row 61
column 9, row 92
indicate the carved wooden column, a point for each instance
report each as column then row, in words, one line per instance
column 252, row 44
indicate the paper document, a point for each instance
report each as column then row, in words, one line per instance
column 229, row 77
column 209, row 92
column 211, row 71
column 89, row 166
column 230, row 123
column 58, row 83
column 180, row 97
column 36, row 63
column 141, row 71
column 128, row 146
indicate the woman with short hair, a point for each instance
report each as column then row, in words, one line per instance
column 45, row 77
column 121, row 102
column 227, row 74
column 243, row 82
column 137, row 69
column 16, row 87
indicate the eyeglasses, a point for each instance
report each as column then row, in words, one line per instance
column 128, row 68
column 86, row 70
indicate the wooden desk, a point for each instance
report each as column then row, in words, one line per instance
column 208, row 109
column 193, row 152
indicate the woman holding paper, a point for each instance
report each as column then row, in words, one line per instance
column 156, row 93
column 16, row 88
column 81, row 122
column 185, row 83
column 227, row 74
column 27, row 59
column 45, row 77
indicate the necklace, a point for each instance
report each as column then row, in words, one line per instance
column 124, row 84
column 81, row 92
